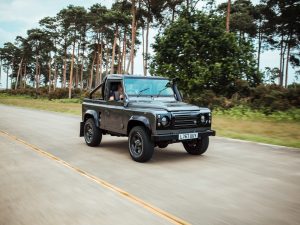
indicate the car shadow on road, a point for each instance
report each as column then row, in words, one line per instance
column 160, row 155
column 171, row 155
column 118, row 146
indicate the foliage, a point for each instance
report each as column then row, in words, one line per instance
column 58, row 93
column 244, row 112
column 267, row 99
column 196, row 49
column 242, row 18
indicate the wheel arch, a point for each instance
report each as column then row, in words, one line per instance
column 89, row 114
column 138, row 121
column 92, row 114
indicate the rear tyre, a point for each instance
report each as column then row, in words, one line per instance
column 140, row 146
column 92, row 134
column 196, row 147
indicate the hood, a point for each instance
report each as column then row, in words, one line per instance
column 161, row 105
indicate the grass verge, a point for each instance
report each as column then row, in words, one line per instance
column 271, row 131
column 70, row 106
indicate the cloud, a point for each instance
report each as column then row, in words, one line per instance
column 7, row 36
column 23, row 15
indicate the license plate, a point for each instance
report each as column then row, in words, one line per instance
column 188, row 136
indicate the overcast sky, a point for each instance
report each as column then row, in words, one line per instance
column 17, row 16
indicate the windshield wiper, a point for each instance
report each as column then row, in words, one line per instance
column 141, row 91
column 167, row 86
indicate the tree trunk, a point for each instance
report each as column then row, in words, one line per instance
column 287, row 65
column 49, row 75
column 283, row 63
column 25, row 75
column 173, row 14
column 132, row 56
column 259, row 47
column 7, row 78
column 143, row 53
column 77, row 63
column 65, row 70
column 280, row 65
column 133, row 29
column 120, row 57
column 81, row 69
column 147, row 47
column 81, row 74
column 112, row 68
column 124, row 52
column 92, row 71
column 97, row 62
column 101, row 62
column 107, row 60
column 55, row 76
column 19, row 72
column 228, row 16
column 36, row 73
column 71, row 71
column 39, row 74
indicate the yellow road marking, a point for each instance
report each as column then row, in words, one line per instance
column 157, row 211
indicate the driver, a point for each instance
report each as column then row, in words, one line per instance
column 117, row 95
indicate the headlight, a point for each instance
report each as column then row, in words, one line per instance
column 165, row 121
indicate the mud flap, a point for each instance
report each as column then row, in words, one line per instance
column 81, row 129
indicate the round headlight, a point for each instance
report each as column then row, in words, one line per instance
column 164, row 121
column 202, row 119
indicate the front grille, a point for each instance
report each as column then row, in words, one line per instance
column 182, row 120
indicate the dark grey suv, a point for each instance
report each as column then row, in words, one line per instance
column 150, row 112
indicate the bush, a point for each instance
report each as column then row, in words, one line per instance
column 59, row 93
column 266, row 98
column 43, row 92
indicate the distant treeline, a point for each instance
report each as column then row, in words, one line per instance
column 78, row 47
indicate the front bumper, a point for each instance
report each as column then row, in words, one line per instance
column 174, row 137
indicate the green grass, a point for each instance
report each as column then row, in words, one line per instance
column 270, row 132
column 280, row 128
column 243, row 112
column 70, row 106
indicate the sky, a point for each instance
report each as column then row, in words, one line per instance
column 17, row 16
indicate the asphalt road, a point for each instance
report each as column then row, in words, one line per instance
column 49, row 176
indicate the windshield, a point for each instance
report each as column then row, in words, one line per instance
column 147, row 87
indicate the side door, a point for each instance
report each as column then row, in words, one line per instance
column 113, row 112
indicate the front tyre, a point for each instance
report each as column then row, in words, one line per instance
column 140, row 146
column 196, row 147
column 92, row 134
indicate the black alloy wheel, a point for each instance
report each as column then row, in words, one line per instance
column 140, row 146
column 197, row 146
column 92, row 134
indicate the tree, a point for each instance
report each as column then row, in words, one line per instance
column 97, row 23
column 198, row 50
column 50, row 26
column 9, row 56
column 26, row 53
column 283, row 31
column 241, row 14
column 41, row 45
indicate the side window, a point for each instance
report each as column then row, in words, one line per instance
column 115, row 91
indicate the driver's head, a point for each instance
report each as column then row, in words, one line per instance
column 120, row 88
